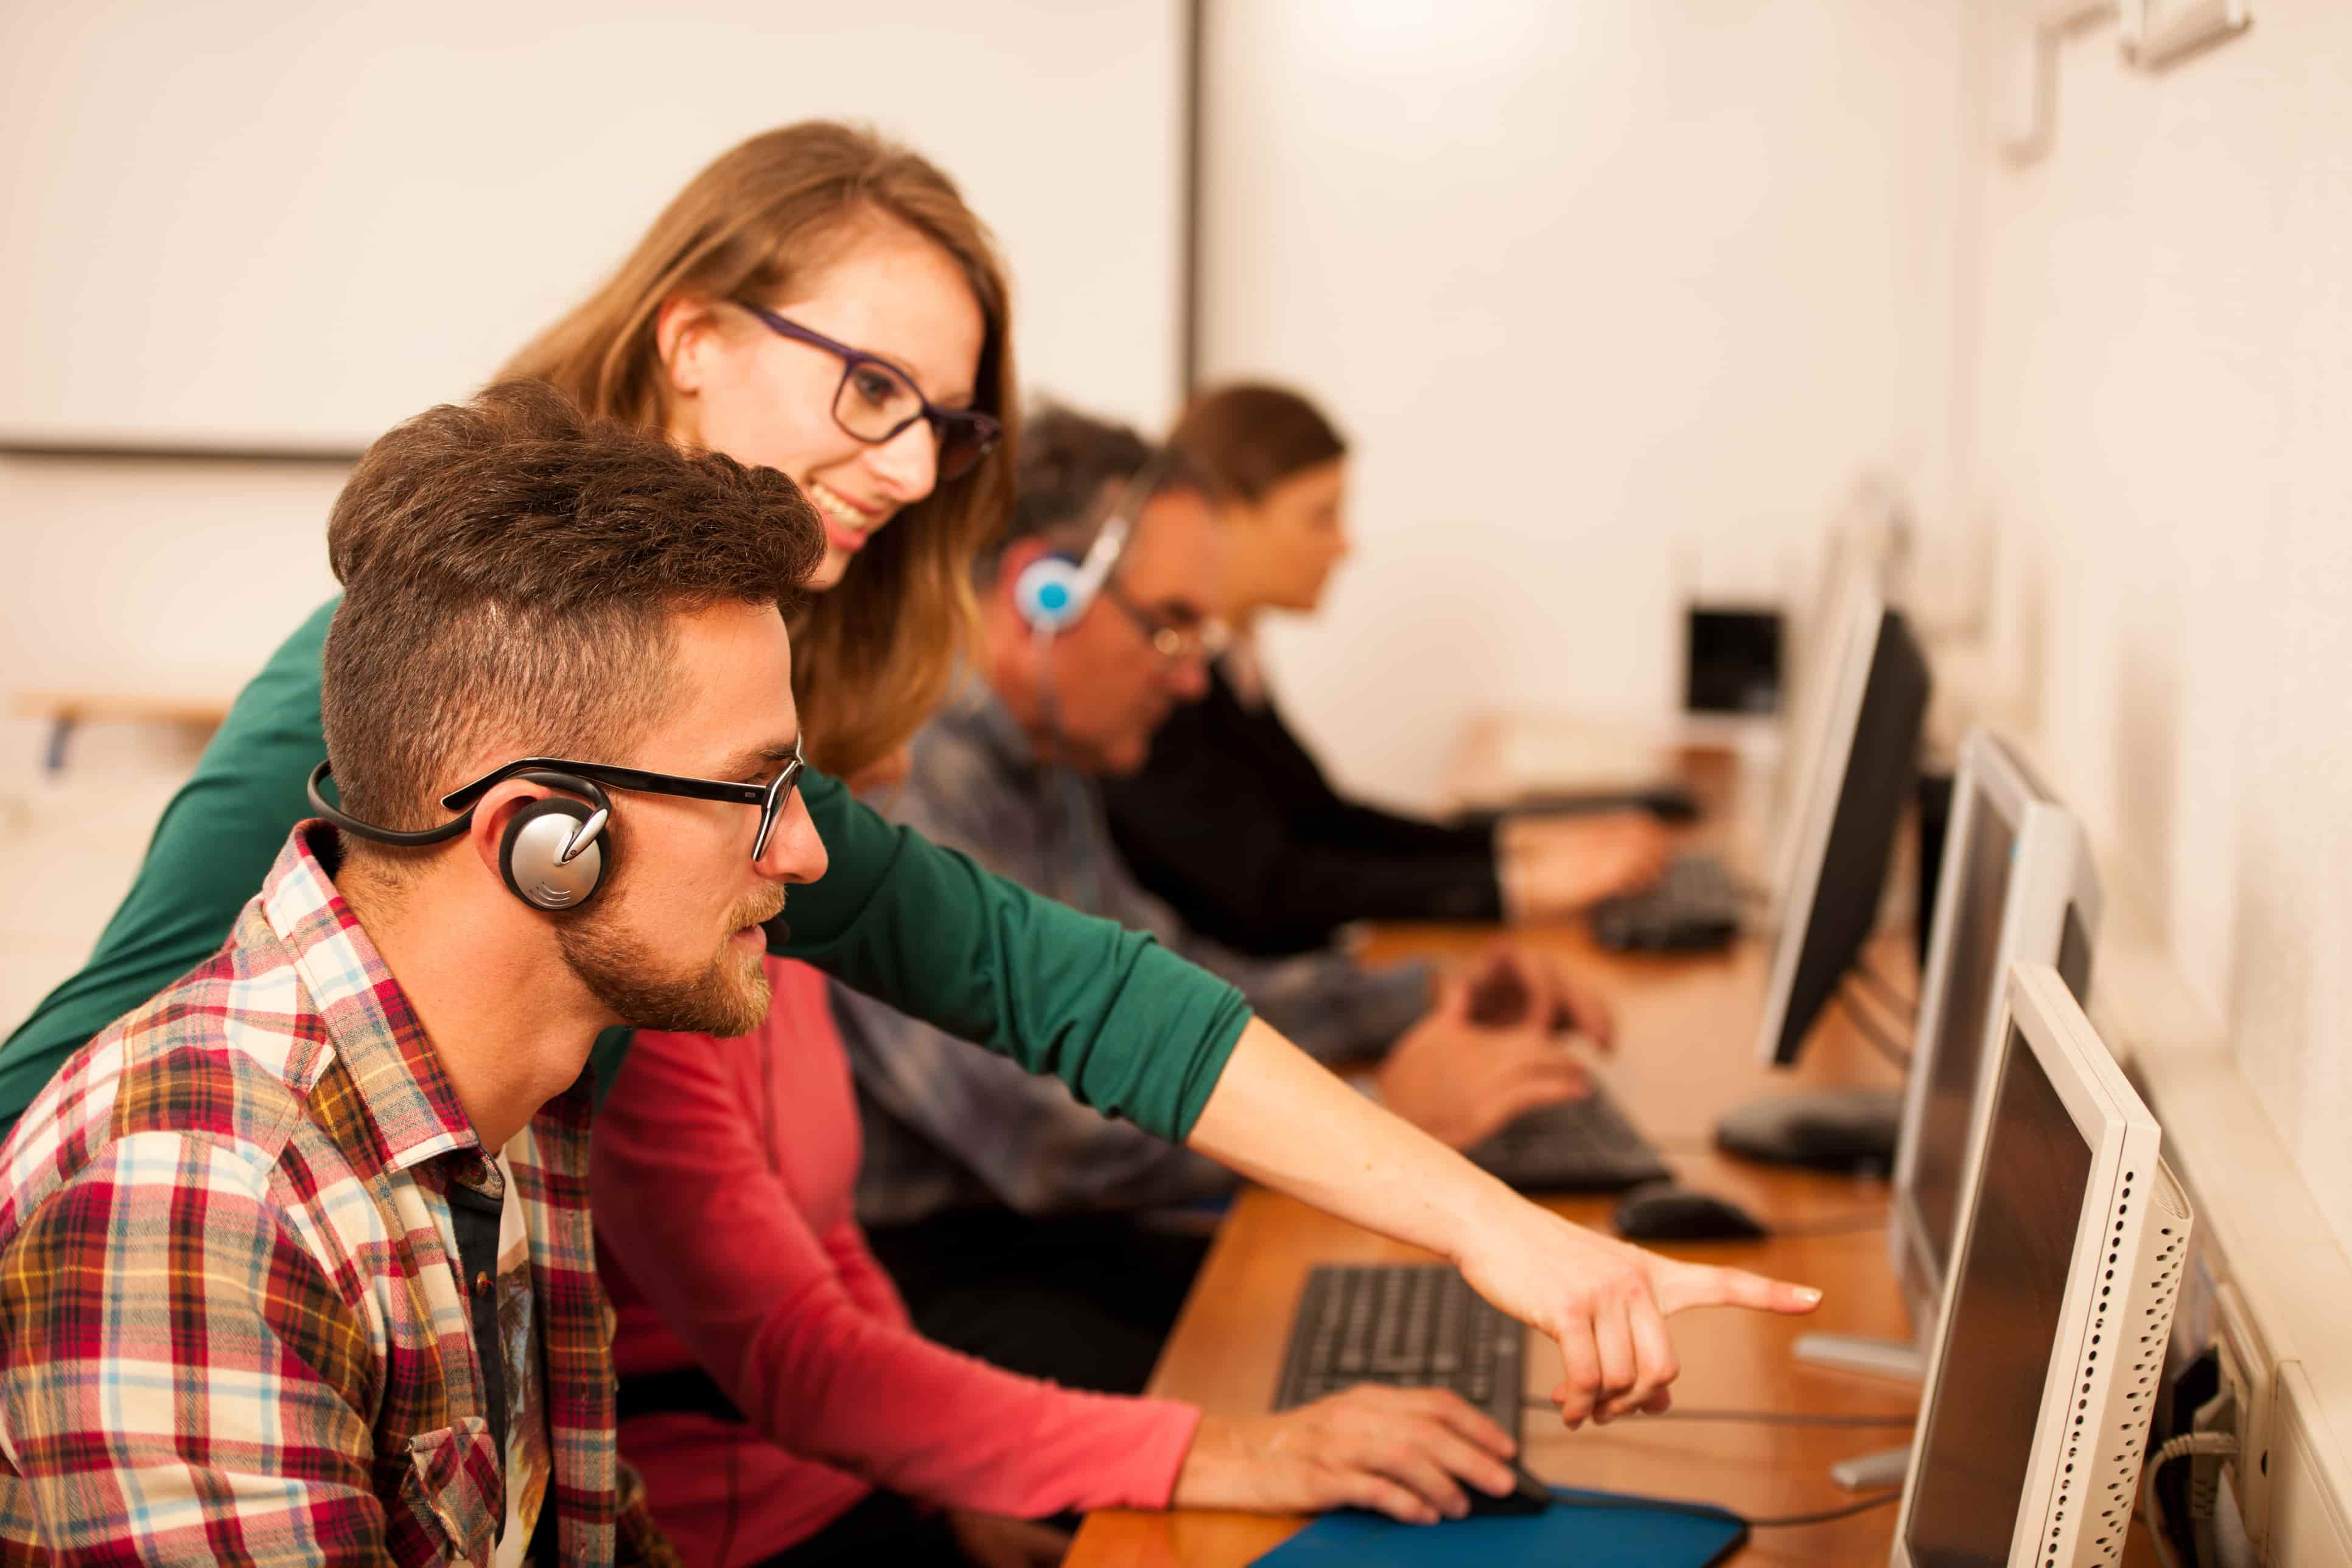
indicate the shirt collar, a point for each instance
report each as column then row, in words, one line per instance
column 409, row 1100
column 980, row 716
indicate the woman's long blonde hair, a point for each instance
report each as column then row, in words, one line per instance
column 872, row 659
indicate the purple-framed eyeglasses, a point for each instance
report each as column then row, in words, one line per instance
column 769, row 797
column 876, row 400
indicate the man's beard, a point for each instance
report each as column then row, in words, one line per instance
column 725, row 996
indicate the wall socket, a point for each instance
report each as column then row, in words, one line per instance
column 2251, row 1377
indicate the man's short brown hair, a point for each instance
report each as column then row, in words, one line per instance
column 510, row 568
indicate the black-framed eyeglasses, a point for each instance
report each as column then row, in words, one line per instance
column 876, row 400
column 769, row 797
column 1202, row 640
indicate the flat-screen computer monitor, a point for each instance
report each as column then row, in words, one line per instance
column 2054, row 1317
column 1844, row 820
column 1828, row 653
column 2017, row 884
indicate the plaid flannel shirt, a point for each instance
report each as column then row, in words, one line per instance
column 949, row 1127
column 230, row 1330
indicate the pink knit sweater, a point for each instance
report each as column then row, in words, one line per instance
column 723, row 1175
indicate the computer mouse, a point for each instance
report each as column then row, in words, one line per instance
column 1844, row 1132
column 1661, row 1211
column 1529, row 1496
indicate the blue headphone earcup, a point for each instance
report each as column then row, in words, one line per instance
column 1050, row 593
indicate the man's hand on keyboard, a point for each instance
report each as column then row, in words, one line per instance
column 1515, row 987
column 1606, row 1303
column 1553, row 868
column 1403, row 1452
column 1462, row 1082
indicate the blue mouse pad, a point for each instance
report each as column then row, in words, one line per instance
column 1590, row 1530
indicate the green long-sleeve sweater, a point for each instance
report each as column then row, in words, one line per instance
column 1134, row 1030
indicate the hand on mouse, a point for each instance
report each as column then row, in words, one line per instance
column 1403, row 1452
column 1461, row 1083
column 1605, row 1303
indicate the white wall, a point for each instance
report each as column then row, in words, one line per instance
column 2162, row 400
column 1600, row 291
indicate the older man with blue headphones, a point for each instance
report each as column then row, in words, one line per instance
column 1007, row 1211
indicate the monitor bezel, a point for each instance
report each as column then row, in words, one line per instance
column 2122, row 1137
column 2052, row 870
column 1827, row 713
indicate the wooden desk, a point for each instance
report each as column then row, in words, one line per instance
column 1688, row 1029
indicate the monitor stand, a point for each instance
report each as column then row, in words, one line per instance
column 1845, row 1131
column 1873, row 1472
column 1899, row 1358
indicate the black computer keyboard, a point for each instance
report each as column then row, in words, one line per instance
column 1694, row 906
column 1582, row 1146
column 1408, row 1325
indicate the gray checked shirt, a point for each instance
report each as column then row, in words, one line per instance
column 949, row 1127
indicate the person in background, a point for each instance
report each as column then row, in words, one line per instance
column 238, row 1230
column 1231, row 820
column 1007, row 1212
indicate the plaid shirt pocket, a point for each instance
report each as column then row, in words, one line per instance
column 454, row 1489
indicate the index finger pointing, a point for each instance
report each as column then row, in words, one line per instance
column 1694, row 1285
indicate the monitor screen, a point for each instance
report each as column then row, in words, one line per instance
column 1978, row 1434
column 1956, row 1050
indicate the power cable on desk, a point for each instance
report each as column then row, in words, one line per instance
column 1868, row 1028
column 1892, row 999
column 1827, row 1515
column 1888, row 1422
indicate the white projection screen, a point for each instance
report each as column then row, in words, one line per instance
column 248, row 225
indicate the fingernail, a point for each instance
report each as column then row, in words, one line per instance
column 1809, row 1296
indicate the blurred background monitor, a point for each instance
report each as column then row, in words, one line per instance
column 1731, row 660
column 2018, row 885
column 1843, row 829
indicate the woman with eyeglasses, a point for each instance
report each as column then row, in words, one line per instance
column 823, row 302
column 1231, row 820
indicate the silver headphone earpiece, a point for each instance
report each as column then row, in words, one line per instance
column 554, row 855
column 554, row 852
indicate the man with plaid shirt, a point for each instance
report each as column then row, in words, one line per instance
column 295, row 1260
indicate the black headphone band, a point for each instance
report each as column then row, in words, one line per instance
column 418, row 839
